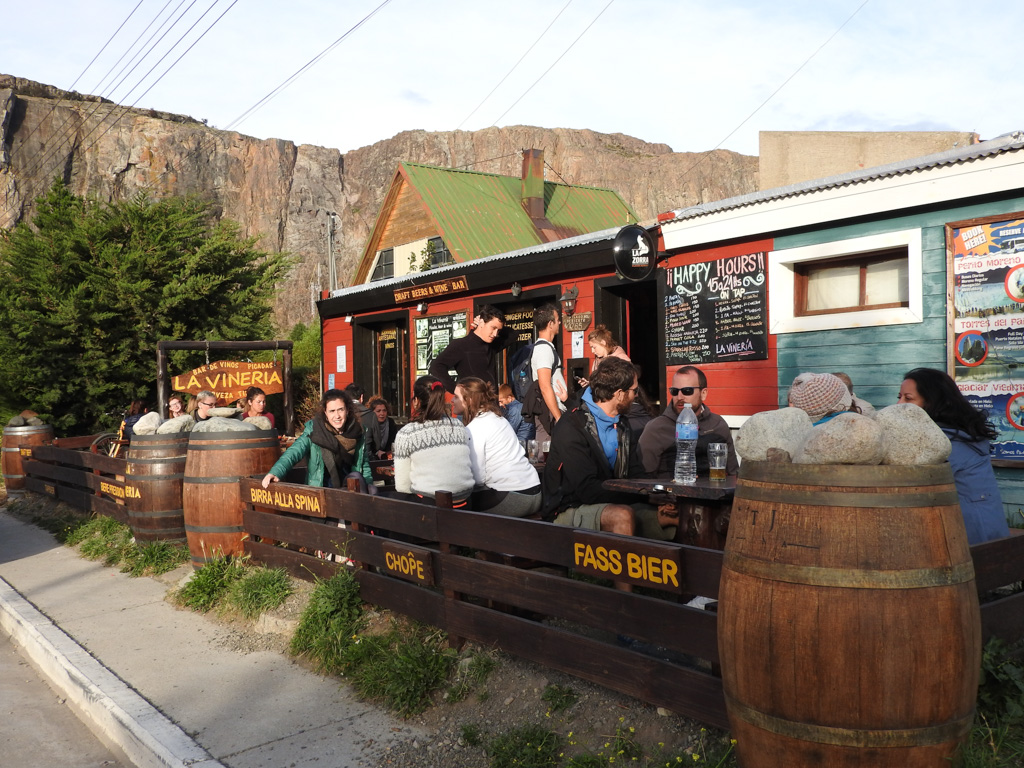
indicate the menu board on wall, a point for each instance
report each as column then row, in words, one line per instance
column 988, row 325
column 717, row 311
column 435, row 333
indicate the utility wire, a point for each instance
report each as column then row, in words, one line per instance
column 61, row 140
column 704, row 156
column 514, row 66
column 262, row 102
column 556, row 62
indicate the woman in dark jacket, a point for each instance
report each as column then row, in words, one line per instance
column 969, row 432
column 381, row 433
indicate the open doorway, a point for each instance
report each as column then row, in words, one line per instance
column 630, row 311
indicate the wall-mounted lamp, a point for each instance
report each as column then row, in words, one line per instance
column 348, row 318
column 421, row 307
column 516, row 289
column 568, row 299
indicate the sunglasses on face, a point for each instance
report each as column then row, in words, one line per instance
column 682, row 390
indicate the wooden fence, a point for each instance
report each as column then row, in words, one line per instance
column 534, row 589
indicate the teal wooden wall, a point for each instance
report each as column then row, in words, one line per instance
column 876, row 358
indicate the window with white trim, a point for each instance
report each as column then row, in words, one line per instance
column 385, row 265
column 864, row 281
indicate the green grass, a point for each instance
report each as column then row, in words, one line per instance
column 103, row 538
column 471, row 672
column 209, row 585
column 259, row 590
column 332, row 619
column 529, row 746
column 558, row 697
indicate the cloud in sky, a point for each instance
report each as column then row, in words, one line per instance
column 689, row 74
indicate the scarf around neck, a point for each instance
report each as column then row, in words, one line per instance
column 339, row 449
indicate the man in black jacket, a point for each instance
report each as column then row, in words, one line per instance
column 590, row 445
column 473, row 354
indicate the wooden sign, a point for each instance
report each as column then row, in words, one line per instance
column 408, row 563
column 440, row 289
column 303, row 500
column 634, row 560
column 229, row 379
column 578, row 322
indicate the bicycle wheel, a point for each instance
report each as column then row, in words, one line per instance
column 107, row 444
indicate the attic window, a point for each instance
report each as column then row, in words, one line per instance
column 385, row 265
column 439, row 253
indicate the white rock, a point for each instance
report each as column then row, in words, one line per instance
column 183, row 423
column 220, row 424
column 225, row 411
column 148, row 424
column 848, row 438
column 786, row 428
column 260, row 422
column 911, row 437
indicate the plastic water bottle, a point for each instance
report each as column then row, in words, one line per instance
column 686, row 446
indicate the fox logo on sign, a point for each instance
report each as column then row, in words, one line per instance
column 634, row 252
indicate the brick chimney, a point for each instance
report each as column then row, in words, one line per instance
column 533, row 193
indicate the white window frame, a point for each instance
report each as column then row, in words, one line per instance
column 782, row 278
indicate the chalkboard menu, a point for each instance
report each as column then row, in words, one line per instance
column 717, row 311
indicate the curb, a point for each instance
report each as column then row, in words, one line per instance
column 113, row 711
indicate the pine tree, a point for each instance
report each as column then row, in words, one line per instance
column 88, row 288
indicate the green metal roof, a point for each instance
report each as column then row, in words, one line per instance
column 481, row 214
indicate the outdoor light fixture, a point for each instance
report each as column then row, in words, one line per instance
column 568, row 299
column 516, row 289
column 348, row 318
column 421, row 307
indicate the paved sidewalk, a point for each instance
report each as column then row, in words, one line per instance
column 158, row 682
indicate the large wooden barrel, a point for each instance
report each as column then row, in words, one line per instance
column 848, row 624
column 211, row 496
column 14, row 440
column 153, row 486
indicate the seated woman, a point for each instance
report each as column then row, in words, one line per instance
column 333, row 445
column 969, row 431
column 381, row 435
column 135, row 412
column 822, row 395
column 255, row 404
column 175, row 406
column 432, row 451
column 511, row 485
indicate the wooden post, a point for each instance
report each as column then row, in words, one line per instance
column 443, row 500
column 289, row 404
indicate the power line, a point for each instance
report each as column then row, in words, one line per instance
column 259, row 104
column 514, row 66
column 774, row 93
column 555, row 62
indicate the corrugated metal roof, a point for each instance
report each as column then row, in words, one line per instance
column 1005, row 143
column 481, row 214
column 439, row 272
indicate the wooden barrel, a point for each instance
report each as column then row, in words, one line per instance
column 15, row 439
column 154, row 477
column 848, row 624
column 211, row 497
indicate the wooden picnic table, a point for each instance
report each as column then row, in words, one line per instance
column 704, row 507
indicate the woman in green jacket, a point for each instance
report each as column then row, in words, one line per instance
column 333, row 445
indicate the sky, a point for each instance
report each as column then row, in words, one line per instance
column 693, row 75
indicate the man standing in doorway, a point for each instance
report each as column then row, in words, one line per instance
column 546, row 366
column 473, row 354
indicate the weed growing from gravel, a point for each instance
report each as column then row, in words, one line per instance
column 471, row 672
column 530, row 746
column 210, row 584
column 260, row 590
column 402, row 667
column 332, row 620
column 153, row 558
column 558, row 697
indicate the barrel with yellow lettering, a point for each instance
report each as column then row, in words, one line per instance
column 154, row 476
column 848, row 626
column 18, row 442
column 211, row 495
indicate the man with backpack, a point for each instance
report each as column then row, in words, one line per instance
column 546, row 400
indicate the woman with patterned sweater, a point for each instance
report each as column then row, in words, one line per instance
column 432, row 451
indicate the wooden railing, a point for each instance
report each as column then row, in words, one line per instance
column 523, row 586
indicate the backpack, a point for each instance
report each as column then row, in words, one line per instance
column 521, row 372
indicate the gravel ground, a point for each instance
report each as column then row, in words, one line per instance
column 509, row 698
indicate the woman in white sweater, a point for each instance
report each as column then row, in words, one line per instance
column 510, row 483
column 432, row 451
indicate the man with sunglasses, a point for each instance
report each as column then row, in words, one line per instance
column 657, row 444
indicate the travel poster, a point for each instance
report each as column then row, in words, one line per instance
column 433, row 334
column 988, row 338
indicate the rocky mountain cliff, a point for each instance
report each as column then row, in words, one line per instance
column 286, row 193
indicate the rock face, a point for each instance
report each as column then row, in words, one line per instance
column 286, row 194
